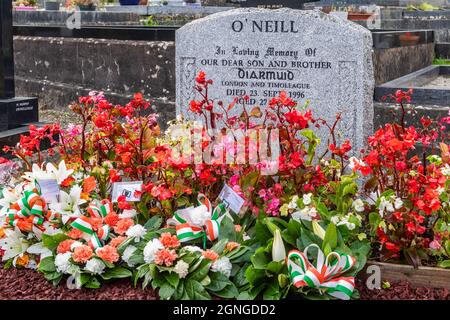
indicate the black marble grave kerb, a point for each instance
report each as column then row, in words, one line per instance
column 16, row 113
column 416, row 81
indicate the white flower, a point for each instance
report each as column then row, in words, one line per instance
column 307, row 199
column 385, row 205
column 182, row 269
column 9, row 196
column 358, row 205
column 150, row 250
column 14, row 245
column 245, row 237
column 75, row 244
column 39, row 249
column 307, row 214
column 193, row 249
column 137, row 231
column 446, row 170
column 335, row 219
column 62, row 262
column 199, row 215
column 353, row 162
column 95, row 266
column 222, row 265
column 440, row 190
column 50, row 172
column 128, row 213
column 349, row 225
column 293, row 204
column 128, row 252
column 68, row 205
column 398, row 203
column 32, row 264
column 278, row 249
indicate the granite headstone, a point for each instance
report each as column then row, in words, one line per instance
column 259, row 52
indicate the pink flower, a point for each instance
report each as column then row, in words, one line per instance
column 82, row 254
column 435, row 245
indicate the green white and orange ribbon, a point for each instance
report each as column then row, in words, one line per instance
column 100, row 210
column 28, row 213
column 326, row 275
column 186, row 221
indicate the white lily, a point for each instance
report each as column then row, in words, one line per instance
column 40, row 250
column 14, row 245
column 68, row 205
column 9, row 196
column 50, row 172
column 318, row 230
column 278, row 249
column 61, row 173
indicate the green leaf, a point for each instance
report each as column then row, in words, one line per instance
column 50, row 276
column 220, row 245
column 93, row 283
column 330, row 238
column 227, row 229
column 153, row 223
column 229, row 292
column 444, row 264
column 218, row 282
column 166, row 291
column 172, row 278
column 47, row 264
column 52, row 241
column 196, row 291
column 260, row 259
column 116, row 273
column 275, row 267
column 273, row 291
column 201, row 271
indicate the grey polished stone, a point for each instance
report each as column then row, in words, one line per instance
column 259, row 52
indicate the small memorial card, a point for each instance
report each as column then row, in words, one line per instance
column 232, row 200
column 49, row 189
column 127, row 189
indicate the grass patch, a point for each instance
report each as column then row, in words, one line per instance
column 441, row 61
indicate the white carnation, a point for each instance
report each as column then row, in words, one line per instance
column 137, row 231
column 129, row 251
column 199, row 216
column 222, row 265
column 75, row 245
column 62, row 262
column 95, row 266
column 398, row 203
column 182, row 269
column 150, row 250
column 193, row 249
column 128, row 213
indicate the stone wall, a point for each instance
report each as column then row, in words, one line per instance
column 57, row 70
column 393, row 63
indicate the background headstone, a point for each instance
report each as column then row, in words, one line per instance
column 310, row 55
column 273, row 4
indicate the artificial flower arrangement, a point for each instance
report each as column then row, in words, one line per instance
column 304, row 230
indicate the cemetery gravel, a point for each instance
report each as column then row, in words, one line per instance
column 23, row 284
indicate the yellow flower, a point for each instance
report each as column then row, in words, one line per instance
column 284, row 209
column 23, row 260
column 362, row 236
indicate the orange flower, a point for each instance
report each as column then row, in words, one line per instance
column 2, row 233
column 165, row 257
column 117, row 241
column 108, row 253
column 232, row 245
column 210, row 254
column 123, row 225
column 169, row 241
column 23, row 260
column 237, row 228
column 82, row 254
column 64, row 246
column 89, row 185
column 75, row 234
column 111, row 219
column 66, row 183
